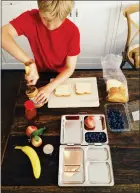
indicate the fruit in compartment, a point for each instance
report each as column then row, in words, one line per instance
column 95, row 137
column 89, row 122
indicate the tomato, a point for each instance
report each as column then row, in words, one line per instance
column 30, row 130
column 90, row 122
column 36, row 141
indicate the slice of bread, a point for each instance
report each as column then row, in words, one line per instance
column 112, row 83
column 83, row 88
column 63, row 90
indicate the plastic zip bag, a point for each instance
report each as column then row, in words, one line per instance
column 116, row 83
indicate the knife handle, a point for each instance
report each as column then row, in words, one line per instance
column 27, row 69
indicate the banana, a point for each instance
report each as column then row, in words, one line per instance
column 32, row 155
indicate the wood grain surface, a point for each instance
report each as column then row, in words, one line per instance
column 125, row 147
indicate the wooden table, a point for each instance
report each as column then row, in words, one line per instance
column 125, row 148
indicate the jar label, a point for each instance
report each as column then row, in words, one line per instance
column 34, row 101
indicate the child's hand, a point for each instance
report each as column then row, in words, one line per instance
column 33, row 75
column 43, row 95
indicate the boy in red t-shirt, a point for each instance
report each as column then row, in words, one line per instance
column 54, row 41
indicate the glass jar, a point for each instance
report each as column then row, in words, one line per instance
column 31, row 92
column 30, row 110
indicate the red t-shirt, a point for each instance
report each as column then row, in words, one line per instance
column 50, row 47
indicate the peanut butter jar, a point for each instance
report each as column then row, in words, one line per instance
column 31, row 92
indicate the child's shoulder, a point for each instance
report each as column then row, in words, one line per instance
column 71, row 25
column 34, row 12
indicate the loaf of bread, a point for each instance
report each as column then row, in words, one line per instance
column 63, row 90
column 83, row 88
column 117, row 92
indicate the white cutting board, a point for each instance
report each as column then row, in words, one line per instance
column 74, row 100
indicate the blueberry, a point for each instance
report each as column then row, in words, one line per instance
column 115, row 119
column 96, row 137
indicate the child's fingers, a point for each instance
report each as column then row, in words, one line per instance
column 34, row 81
column 29, row 78
column 45, row 101
column 39, row 97
column 42, row 100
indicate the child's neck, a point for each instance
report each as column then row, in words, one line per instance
column 54, row 25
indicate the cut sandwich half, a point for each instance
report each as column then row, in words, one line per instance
column 83, row 88
column 63, row 90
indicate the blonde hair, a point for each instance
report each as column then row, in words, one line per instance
column 53, row 9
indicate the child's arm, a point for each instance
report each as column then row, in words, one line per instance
column 9, row 44
column 45, row 91
column 65, row 74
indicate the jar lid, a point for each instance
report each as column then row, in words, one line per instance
column 48, row 149
column 31, row 91
column 29, row 105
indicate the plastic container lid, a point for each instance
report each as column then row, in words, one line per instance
column 29, row 105
column 48, row 149
column 134, row 114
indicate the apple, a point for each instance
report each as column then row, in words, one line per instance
column 30, row 130
column 36, row 141
column 90, row 122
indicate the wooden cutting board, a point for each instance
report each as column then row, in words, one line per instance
column 74, row 100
